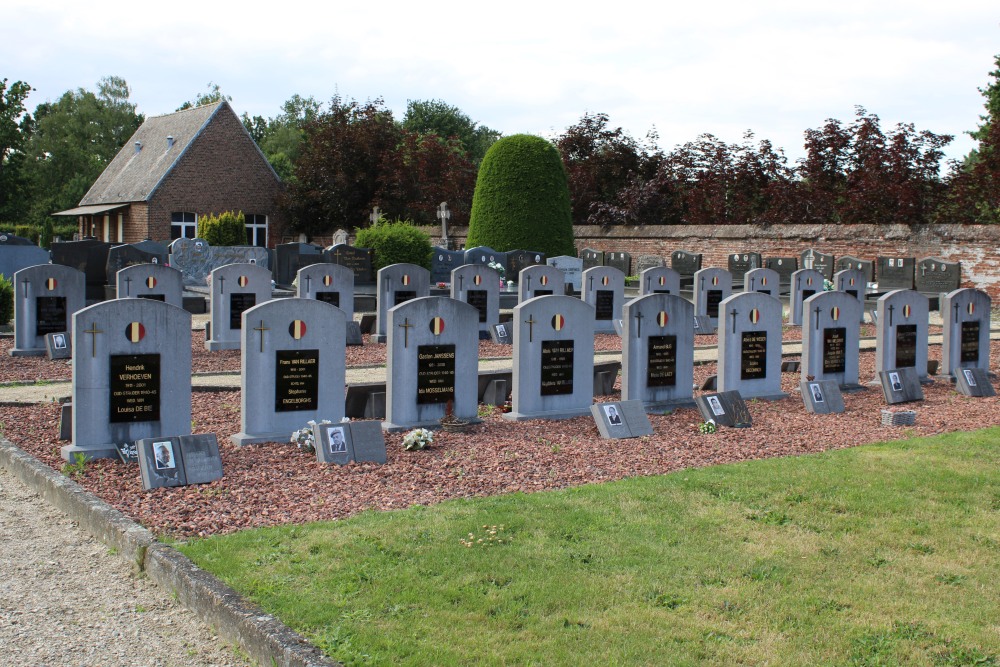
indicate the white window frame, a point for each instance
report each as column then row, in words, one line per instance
column 256, row 229
column 183, row 222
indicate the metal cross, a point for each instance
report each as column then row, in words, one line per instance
column 531, row 326
column 702, row 283
column 406, row 326
column 591, row 279
column 527, row 284
column 222, row 284
column 956, row 314
column 308, row 283
column 261, row 329
column 25, row 282
column 461, row 282
column 816, row 310
column 93, row 330
column 128, row 286
column 891, row 308
column 638, row 324
column 732, row 313
column 648, row 281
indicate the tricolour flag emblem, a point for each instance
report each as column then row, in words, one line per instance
column 405, row 279
column 971, row 308
column 763, row 280
column 835, row 313
column 51, row 284
column 662, row 319
column 754, row 315
column 135, row 332
column 906, row 311
column 150, row 282
column 478, row 280
column 605, row 280
column 327, row 281
column 297, row 329
column 437, row 326
column 544, row 280
column 715, row 280
column 558, row 322
column 243, row 281
column 852, row 282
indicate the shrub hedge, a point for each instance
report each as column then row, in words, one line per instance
column 226, row 229
column 396, row 242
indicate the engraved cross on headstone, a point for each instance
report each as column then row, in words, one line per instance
column 732, row 314
column 638, row 324
column 261, row 329
column 956, row 316
column 128, row 285
column 406, row 326
column 531, row 326
column 891, row 308
column 222, row 284
column 308, row 283
column 816, row 310
column 93, row 331
column 25, row 282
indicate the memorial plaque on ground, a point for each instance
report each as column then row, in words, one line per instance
column 57, row 345
column 805, row 283
column 151, row 281
column 901, row 332
column 686, row 264
column 821, row 397
column 591, row 258
column 784, row 266
column 443, row 262
column 178, row 460
column 619, row 260
column 518, row 260
column 765, row 281
column 329, row 283
column 900, row 385
column 235, row 288
column 572, row 270
column 132, row 364
column 90, row 257
column 966, row 330
column 814, row 259
column 659, row 280
column 553, row 358
column 622, row 419
column 398, row 283
column 128, row 452
column 750, row 346
column 831, row 339
column 865, row 266
column 502, row 334
column 658, row 351
column 290, row 257
column 293, row 365
column 360, row 261
column 853, row 282
column 974, row 382
column 604, row 289
column 894, row 273
column 648, row 262
column 333, row 442
column 14, row 257
column 741, row 262
column 540, row 280
column 938, row 275
column 478, row 286
column 45, row 298
column 725, row 408
column 711, row 287
column 432, row 359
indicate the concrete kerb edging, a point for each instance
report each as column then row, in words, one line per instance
column 262, row 636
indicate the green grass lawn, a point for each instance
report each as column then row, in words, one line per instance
column 878, row 555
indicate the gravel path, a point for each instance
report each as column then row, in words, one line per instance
column 65, row 600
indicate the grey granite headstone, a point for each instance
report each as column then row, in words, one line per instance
column 685, row 263
column 58, row 345
column 938, row 275
column 443, row 262
column 368, row 442
column 659, row 280
column 900, row 385
column 831, row 339
column 750, row 346
column 648, row 262
column 711, row 287
column 540, row 280
column 88, row 256
column 45, row 298
column 741, row 262
column 894, row 273
column 361, row 261
column 151, row 281
column 235, row 288
column 703, row 325
column 901, row 332
column 821, row 397
column 553, row 358
column 333, row 442
column 330, row 283
column 658, row 351
column 805, row 283
column 396, row 284
column 201, row 457
column 571, row 268
column 725, row 408
column 293, row 366
column 765, row 281
column 814, row 259
column 853, row 282
column 622, row 419
column 290, row 257
column 591, row 258
column 974, row 382
column 784, row 266
column 432, row 361
column 131, row 375
column 196, row 259
column 478, row 286
column 619, row 260
column 966, row 330
column 865, row 266
column 604, row 289
column 518, row 260
column 13, row 258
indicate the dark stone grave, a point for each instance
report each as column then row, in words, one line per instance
column 895, row 273
column 725, row 408
column 821, row 397
column 741, row 262
column 867, row 267
column 294, row 256
column 591, row 258
column 974, row 382
column 937, row 275
column 619, row 260
column 814, row 259
column 359, row 260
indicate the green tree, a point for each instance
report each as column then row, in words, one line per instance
column 396, row 242
column 522, row 199
column 213, row 95
column 226, row 229
column 447, row 121
column 15, row 130
column 281, row 138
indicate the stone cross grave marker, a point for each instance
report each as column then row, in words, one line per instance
column 45, row 298
column 235, row 288
column 443, row 262
column 131, row 375
column 901, row 332
column 938, row 275
column 966, row 330
column 571, row 268
column 894, row 273
column 741, row 262
column 329, row 283
column 478, row 286
column 765, row 281
column 814, row 259
column 659, row 280
column 865, row 266
column 293, row 359
column 359, row 260
column 711, row 287
column 750, row 346
column 432, row 359
column 398, row 283
column 805, row 283
column 444, row 215
column 831, row 339
column 619, row 260
column 591, row 258
column 553, row 360
column 540, row 280
column 852, row 281
column 151, row 281
column 658, row 351
column 604, row 289
column 785, row 266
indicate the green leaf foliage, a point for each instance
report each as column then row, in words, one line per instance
column 223, row 230
column 6, row 300
column 395, row 243
column 522, row 199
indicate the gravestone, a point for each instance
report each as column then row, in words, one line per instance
column 865, row 266
column 658, row 351
column 485, row 256
column 711, row 287
column 329, row 283
column 502, row 334
column 619, row 260
column 831, row 339
column 478, row 286
column 901, row 332
column 344, row 442
column 159, row 250
column 974, row 382
column 604, row 289
column 340, row 237
column 396, row 284
column 45, row 298
column 805, row 283
column 785, row 267
column 750, row 346
column 443, row 262
column 659, row 280
column 57, row 345
column 235, row 288
column 178, row 460
column 725, row 408
column 90, row 257
column 818, row 261
column 151, row 281
column 360, row 261
column 540, row 280
column 645, row 262
column 621, row 419
column 127, row 254
column 765, row 281
column 8, row 239
column 894, row 273
column 571, row 268
column 290, row 257
column 432, row 359
column 938, row 275
column 518, row 260
column 17, row 256
column 966, row 330
column 591, row 258
column 553, row 358
column 900, row 385
column 686, row 264
column 852, row 281
column 293, row 359
column 131, row 375
column 821, row 397
column 741, row 262
column 196, row 259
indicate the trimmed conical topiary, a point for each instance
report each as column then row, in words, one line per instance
column 522, row 200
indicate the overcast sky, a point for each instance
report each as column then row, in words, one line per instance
column 718, row 66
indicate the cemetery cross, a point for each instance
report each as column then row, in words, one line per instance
column 261, row 329
column 891, row 308
column 531, row 327
column 406, row 326
column 638, row 324
column 732, row 314
column 93, row 331
column 128, row 285
column 222, row 284
column 25, row 282
column 816, row 310
column 376, row 214
column 309, row 281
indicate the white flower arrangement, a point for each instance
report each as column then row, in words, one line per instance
column 496, row 266
column 305, row 438
column 418, row 438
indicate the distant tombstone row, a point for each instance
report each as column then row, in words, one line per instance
column 604, row 290
column 196, row 259
column 444, row 261
column 151, row 281
column 234, row 289
column 396, row 284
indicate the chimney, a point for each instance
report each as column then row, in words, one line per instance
column 170, row 142
column 138, row 147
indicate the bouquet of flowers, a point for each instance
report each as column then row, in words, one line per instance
column 418, row 438
column 304, row 438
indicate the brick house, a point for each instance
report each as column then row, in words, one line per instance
column 176, row 168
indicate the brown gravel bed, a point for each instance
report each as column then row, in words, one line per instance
column 276, row 483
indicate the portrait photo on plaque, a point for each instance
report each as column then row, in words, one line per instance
column 611, row 412
column 817, row 392
column 335, row 436
column 59, row 341
column 163, row 455
column 970, row 377
column 894, row 382
column 713, row 402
